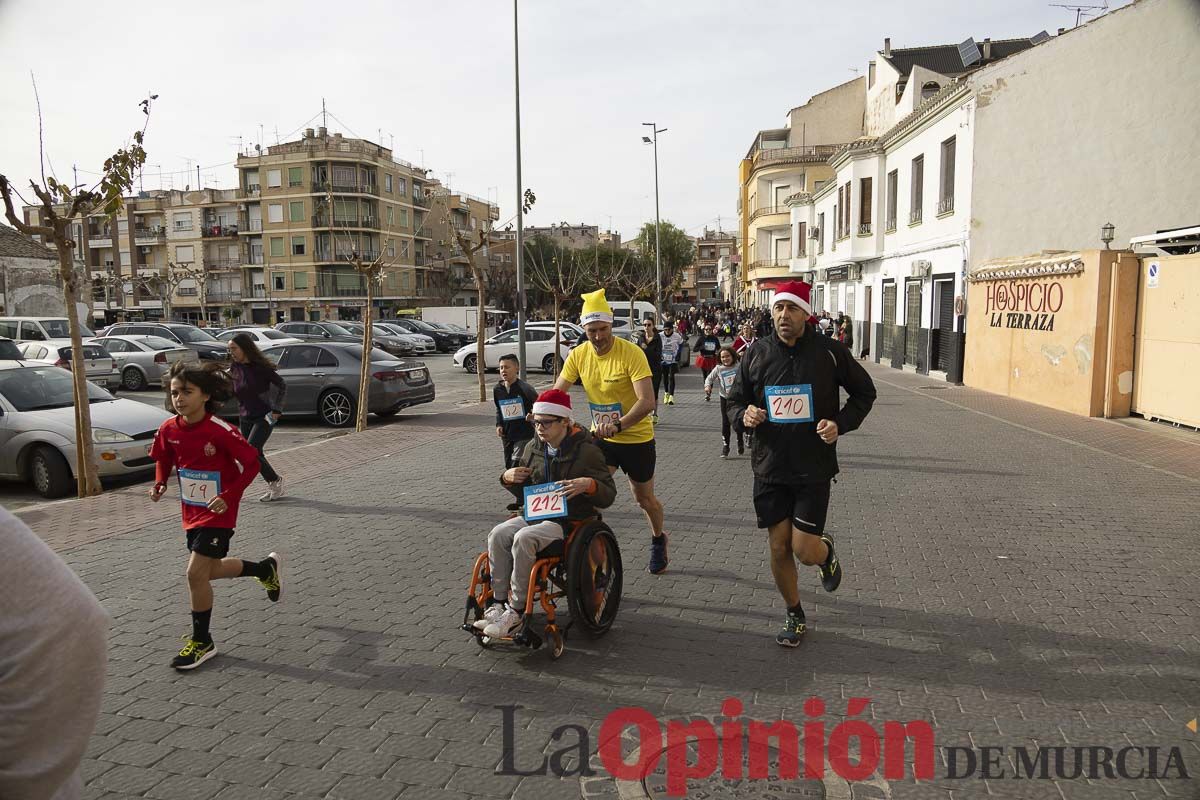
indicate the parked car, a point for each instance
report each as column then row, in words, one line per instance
column 322, row 380
column 263, row 337
column 422, row 344
column 539, row 350
column 317, row 332
column 99, row 366
column 143, row 360
column 37, row 429
column 206, row 347
column 383, row 338
column 446, row 342
column 9, row 351
column 456, row 330
column 39, row 329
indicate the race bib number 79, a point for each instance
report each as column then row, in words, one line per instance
column 197, row 488
column 544, row 501
column 790, row 404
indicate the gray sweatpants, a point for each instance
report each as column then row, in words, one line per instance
column 512, row 549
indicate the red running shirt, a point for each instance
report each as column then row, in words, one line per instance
column 211, row 458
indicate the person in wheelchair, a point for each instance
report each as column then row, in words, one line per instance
column 560, row 462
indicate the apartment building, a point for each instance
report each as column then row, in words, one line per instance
column 780, row 163
column 309, row 209
column 711, row 247
column 451, row 213
column 573, row 237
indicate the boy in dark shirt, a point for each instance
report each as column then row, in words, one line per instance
column 514, row 399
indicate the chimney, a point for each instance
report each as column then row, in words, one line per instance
column 321, row 132
column 1061, row 31
column 987, row 49
column 887, row 47
column 308, row 133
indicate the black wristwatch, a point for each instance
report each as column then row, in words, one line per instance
column 618, row 424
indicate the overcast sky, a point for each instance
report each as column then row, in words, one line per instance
column 436, row 79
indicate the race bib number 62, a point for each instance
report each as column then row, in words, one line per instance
column 790, row 404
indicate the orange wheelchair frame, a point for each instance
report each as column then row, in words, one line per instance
column 589, row 542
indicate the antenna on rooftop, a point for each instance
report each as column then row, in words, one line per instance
column 1082, row 11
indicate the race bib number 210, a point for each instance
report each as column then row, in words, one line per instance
column 790, row 404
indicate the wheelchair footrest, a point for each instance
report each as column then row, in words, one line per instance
column 528, row 638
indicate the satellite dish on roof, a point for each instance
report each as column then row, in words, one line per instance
column 968, row 51
column 1038, row 38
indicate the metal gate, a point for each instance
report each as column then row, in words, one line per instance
column 945, row 325
column 912, row 320
column 889, row 319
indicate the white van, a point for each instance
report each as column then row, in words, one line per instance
column 641, row 309
column 39, row 329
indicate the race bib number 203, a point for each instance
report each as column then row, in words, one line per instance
column 790, row 404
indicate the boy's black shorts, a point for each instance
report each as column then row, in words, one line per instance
column 807, row 504
column 210, row 542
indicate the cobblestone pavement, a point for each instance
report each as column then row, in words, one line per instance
column 1014, row 576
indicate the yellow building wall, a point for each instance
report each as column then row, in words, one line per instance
column 1167, row 341
column 1051, row 345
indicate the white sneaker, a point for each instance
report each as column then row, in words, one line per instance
column 490, row 615
column 274, row 491
column 510, row 623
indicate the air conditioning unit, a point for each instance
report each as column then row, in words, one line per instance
column 854, row 273
column 814, row 233
column 921, row 268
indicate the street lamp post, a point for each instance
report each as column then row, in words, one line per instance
column 657, row 222
column 520, row 200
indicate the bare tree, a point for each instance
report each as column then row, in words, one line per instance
column 164, row 283
column 478, row 273
column 559, row 273
column 58, row 205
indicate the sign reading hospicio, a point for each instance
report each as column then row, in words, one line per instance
column 1023, row 305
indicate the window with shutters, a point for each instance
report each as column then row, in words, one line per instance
column 946, row 182
column 893, row 179
column 274, row 178
column 916, row 198
column 864, row 206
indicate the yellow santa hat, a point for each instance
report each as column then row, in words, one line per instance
column 595, row 308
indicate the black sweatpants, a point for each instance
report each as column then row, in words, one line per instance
column 725, row 424
column 668, row 377
column 256, row 431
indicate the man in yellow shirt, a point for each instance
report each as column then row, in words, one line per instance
column 620, row 393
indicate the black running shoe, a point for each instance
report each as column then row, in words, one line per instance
column 725, row 451
column 273, row 583
column 741, row 448
column 658, row 554
column 793, row 628
column 194, row 654
column 831, row 570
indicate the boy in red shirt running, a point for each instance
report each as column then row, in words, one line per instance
column 215, row 465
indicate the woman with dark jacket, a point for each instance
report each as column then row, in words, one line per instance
column 259, row 390
column 651, row 344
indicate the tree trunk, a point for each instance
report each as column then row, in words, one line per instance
column 480, row 324
column 557, row 336
column 364, row 376
column 87, row 480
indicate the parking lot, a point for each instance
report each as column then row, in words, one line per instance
column 454, row 387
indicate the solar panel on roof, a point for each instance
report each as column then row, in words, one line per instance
column 1038, row 38
column 968, row 51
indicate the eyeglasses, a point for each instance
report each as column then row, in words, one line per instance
column 545, row 423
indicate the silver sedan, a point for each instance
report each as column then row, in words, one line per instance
column 37, row 429
column 143, row 360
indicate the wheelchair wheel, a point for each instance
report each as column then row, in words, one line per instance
column 594, row 578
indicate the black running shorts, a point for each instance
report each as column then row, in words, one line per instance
column 635, row 460
column 807, row 504
column 211, row 542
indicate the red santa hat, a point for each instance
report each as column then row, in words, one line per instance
column 796, row 291
column 554, row 402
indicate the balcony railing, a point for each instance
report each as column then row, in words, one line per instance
column 253, row 259
column 864, row 229
column 222, row 263
column 420, row 201
column 224, row 295
column 149, row 234
column 325, row 187
column 253, row 190
column 249, row 225
column 219, row 231
column 914, row 216
column 340, row 285
column 770, row 263
column 890, row 225
column 820, row 152
column 324, row 222
column 946, row 205
column 758, row 212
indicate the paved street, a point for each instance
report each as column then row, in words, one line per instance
column 1015, row 576
column 454, row 386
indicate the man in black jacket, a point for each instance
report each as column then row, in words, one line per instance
column 788, row 385
column 651, row 344
column 514, row 399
